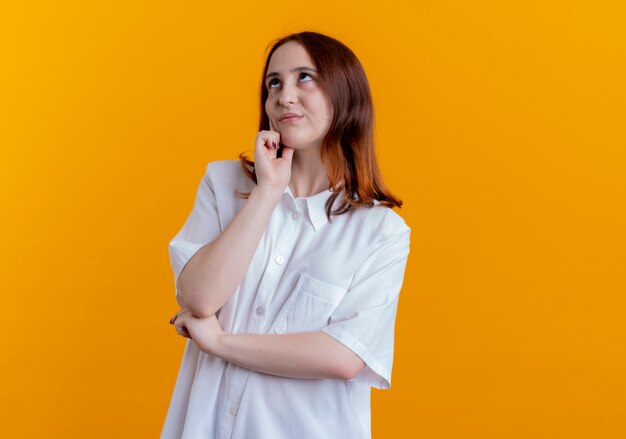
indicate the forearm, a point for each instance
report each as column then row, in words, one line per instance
column 211, row 276
column 300, row 355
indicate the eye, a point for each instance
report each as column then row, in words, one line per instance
column 271, row 82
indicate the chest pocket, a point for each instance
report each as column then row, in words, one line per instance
column 309, row 306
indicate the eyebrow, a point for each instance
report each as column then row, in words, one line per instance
column 297, row 69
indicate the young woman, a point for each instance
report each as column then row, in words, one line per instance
column 289, row 267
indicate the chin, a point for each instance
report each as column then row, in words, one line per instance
column 291, row 142
column 297, row 143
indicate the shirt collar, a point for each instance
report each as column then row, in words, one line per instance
column 316, row 207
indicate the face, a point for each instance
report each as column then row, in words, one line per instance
column 292, row 87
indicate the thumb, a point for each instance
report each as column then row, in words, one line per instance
column 287, row 153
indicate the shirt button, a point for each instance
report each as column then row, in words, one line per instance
column 279, row 260
column 295, row 216
column 232, row 410
column 260, row 310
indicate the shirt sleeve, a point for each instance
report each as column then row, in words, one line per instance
column 364, row 321
column 201, row 227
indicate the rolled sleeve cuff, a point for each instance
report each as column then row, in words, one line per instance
column 374, row 373
column 180, row 253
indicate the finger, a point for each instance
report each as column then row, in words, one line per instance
column 276, row 145
column 266, row 141
column 181, row 326
column 178, row 314
column 183, row 332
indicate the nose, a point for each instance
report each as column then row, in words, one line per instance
column 288, row 94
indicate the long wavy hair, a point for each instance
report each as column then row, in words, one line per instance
column 348, row 151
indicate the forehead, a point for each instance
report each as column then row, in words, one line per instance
column 289, row 55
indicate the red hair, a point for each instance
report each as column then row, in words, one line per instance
column 347, row 151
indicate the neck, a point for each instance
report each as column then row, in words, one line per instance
column 308, row 174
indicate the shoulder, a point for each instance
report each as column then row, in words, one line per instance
column 392, row 219
column 224, row 170
column 384, row 239
column 381, row 227
column 227, row 175
column 382, row 219
column 393, row 228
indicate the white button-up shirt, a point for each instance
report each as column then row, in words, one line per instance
column 341, row 277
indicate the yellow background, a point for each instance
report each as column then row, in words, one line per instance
column 501, row 125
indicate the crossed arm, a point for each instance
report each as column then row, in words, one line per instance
column 300, row 355
column 210, row 277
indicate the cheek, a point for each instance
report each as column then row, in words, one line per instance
column 328, row 108
column 269, row 105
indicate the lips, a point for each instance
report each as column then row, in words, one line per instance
column 289, row 116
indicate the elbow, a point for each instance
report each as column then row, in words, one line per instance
column 347, row 364
column 201, row 313
column 201, row 300
column 351, row 367
column 201, row 310
column 198, row 305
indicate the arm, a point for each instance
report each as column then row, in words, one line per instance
column 214, row 272
column 299, row 355
column 361, row 330
column 211, row 276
